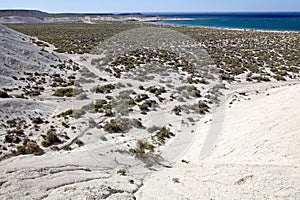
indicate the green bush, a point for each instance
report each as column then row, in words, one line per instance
column 79, row 143
column 147, row 105
column 112, row 127
column 142, row 145
column 64, row 92
column 141, row 97
column 122, row 125
column 104, row 89
column 50, row 139
column 202, row 107
column 164, row 133
column 261, row 78
column 279, row 78
column 177, row 110
column 155, row 90
column 100, row 103
column 29, row 147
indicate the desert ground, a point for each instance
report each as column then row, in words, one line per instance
column 127, row 110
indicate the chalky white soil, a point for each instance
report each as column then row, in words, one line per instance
column 246, row 148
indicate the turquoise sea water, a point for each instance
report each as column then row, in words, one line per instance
column 266, row 21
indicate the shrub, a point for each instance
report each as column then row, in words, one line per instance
column 66, row 113
column 137, row 123
column 62, row 92
column 112, row 127
column 74, row 113
column 203, row 107
column 37, row 120
column 279, row 78
column 109, row 97
column 104, row 89
column 50, row 139
column 122, row 172
column 78, row 113
column 89, row 108
column 100, row 103
column 67, row 148
column 261, row 78
column 177, row 110
column 54, row 148
column 155, row 90
column 164, row 133
column 3, row 94
column 29, row 147
column 125, row 94
column 141, row 97
column 121, row 125
column 147, row 104
column 185, row 161
column 92, row 123
column 79, row 143
column 153, row 129
column 123, row 106
column 142, row 145
column 187, row 90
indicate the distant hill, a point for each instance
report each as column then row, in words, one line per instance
column 6, row 13
column 37, row 13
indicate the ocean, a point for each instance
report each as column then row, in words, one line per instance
column 284, row 21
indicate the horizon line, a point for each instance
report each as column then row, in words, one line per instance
column 133, row 12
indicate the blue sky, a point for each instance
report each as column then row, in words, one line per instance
column 117, row 6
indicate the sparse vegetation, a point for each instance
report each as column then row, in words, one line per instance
column 141, row 146
column 29, row 147
column 50, row 139
column 121, row 125
column 64, row 92
column 156, row 90
column 79, row 143
column 147, row 105
column 67, row 37
column 237, row 52
column 177, row 110
column 250, row 55
column 153, row 129
column 73, row 113
column 104, row 89
column 164, row 133
column 122, row 172
column 82, row 96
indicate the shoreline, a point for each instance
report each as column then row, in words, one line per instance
column 156, row 22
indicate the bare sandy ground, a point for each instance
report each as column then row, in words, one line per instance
column 256, row 155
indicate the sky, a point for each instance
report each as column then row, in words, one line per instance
column 119, row 6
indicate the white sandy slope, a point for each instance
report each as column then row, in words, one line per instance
column 257, row 155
